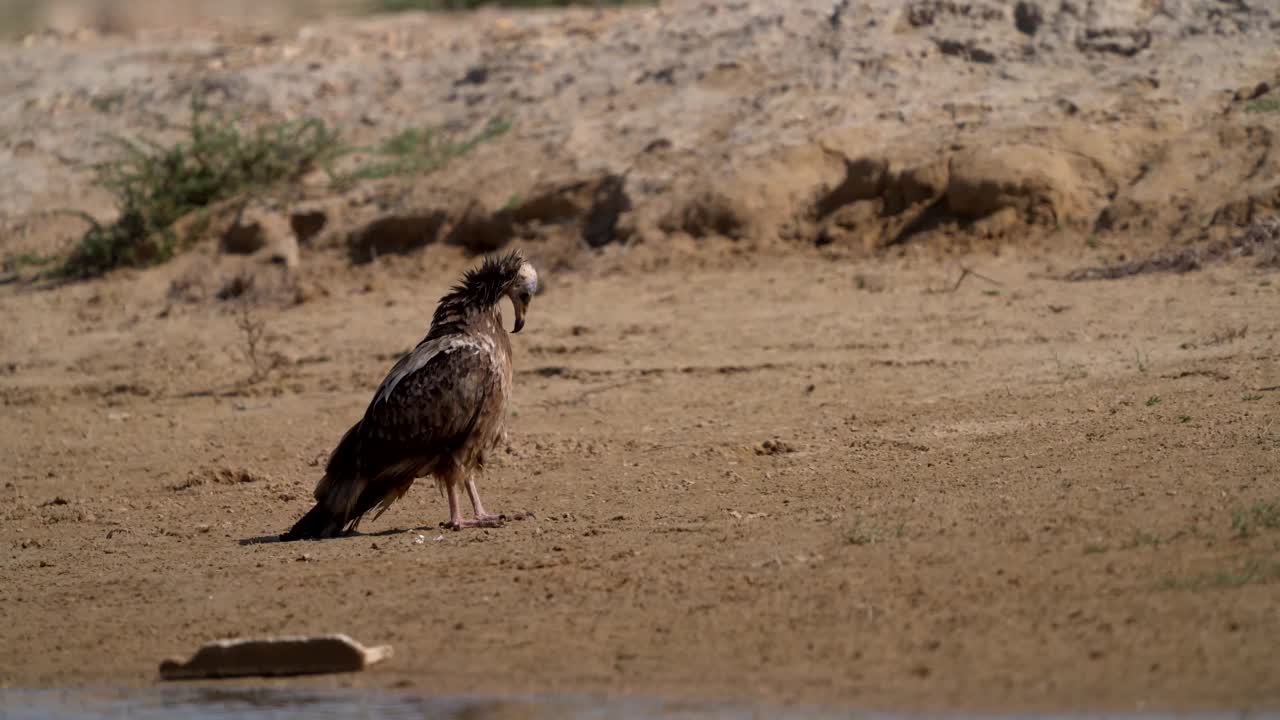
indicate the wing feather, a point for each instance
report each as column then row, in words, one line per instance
column 428, row 404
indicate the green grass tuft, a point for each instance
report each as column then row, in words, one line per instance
column 1254, row 570
column 108, row 101
column 20, row 260
column 1265, row 104
column 1141, row 539
column 417, row 151
column 403, row 5
column 154, row 186
column 1259, row 516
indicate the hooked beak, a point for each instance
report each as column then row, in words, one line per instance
column 519, row 308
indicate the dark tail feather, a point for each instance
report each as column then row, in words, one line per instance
column 345, row 457
column 318, row 523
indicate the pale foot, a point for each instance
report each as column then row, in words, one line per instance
column 485, row 521
column 488, row 521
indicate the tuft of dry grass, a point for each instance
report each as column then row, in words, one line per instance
column 1260, row 240
column 255, row 346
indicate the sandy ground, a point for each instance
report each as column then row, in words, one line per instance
column 998, row 498
column 775, row 452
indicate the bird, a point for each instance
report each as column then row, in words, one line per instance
column 441, row 410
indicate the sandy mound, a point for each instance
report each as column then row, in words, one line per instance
column 857, row 125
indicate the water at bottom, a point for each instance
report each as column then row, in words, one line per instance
column 247, row 703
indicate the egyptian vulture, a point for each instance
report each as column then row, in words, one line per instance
column 440, row 411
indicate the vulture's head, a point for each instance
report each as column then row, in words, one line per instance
column 522, row 289
column 507, row 275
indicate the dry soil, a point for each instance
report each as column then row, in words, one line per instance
column 805, row 412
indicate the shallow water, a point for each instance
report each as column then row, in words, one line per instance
column 207, row 703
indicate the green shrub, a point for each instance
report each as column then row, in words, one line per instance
column 417, row 151
column 154, row 186
column 402, row 5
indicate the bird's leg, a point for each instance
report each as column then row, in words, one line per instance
column 482, row 519
column 474, row 494
column 484, row 516
column 455, row 511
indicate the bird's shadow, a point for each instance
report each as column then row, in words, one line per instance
column 272, row 539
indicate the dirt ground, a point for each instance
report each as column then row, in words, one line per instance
column 780, row 445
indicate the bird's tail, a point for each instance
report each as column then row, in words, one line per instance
column 319, row 522
column 334, row 494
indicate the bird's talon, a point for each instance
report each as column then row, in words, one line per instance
column 488, row 521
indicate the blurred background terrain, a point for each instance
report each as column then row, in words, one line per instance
column 913, row 355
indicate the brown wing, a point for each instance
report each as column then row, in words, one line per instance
column 427, row 406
